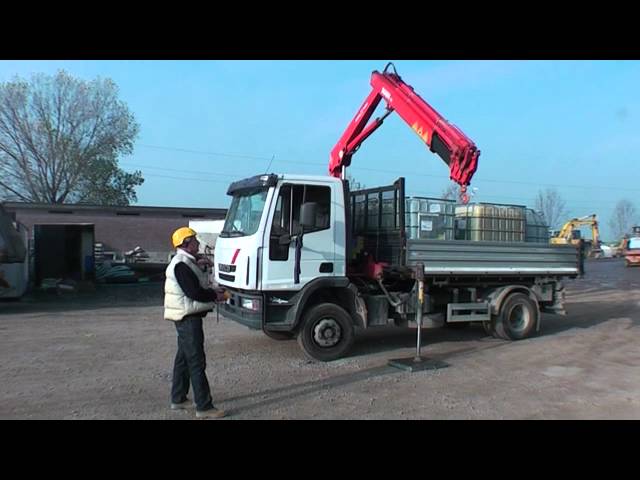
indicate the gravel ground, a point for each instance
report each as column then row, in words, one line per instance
column 108, row 355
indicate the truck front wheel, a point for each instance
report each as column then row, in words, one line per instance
column 517, row 319
column 326, row 332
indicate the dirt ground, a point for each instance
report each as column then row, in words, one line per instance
column 108, row 355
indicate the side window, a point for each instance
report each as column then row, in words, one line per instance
column 321, row 196
column 286, row 217
column 281, row 225
column 296, row 201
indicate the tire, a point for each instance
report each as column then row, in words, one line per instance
column 279, row 335
column 326, row 332
column 517, row 319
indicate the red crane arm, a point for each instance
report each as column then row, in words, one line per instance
column 443, row 138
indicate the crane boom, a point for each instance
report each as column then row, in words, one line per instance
column 442, row 138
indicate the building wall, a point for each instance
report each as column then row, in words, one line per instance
column 147, row 227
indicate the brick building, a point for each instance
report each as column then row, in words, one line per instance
column 119, row 228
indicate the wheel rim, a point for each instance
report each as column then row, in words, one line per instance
column 519, row 318
column 327, row 333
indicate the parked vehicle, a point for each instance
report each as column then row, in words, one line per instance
column 631, row 252
column 570, row 234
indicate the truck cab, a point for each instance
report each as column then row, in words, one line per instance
column 265, row 255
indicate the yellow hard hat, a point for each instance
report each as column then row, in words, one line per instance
column 180, row 234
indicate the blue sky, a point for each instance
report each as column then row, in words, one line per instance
column 570, row 124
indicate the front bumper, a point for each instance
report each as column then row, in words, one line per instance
column 232, row 309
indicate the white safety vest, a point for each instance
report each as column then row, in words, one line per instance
column 176, row 304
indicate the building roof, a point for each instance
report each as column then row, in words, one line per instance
column 123, row 210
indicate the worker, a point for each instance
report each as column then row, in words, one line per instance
column 187, row 299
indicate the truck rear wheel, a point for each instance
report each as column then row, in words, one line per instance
column 517, row 319
column 326, row 332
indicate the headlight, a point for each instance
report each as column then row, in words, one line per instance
column 250, row 304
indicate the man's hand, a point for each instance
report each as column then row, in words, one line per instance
column 223, row 295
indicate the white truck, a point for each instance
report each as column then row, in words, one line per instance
column 305, row 257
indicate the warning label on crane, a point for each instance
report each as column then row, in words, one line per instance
column 424, row 135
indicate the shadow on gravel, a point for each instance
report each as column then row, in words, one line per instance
column 581, row 315
column 584, row 315
column 589, row 314
column 382, row 339
column 104, row 296
column 606, row 274
column 287, row 393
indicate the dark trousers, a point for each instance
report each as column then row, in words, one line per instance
column 190, row 364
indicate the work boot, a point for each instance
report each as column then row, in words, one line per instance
column 211, row 413
column 182, row 405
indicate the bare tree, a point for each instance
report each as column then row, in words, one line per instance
column 60, row 138
column 623, row 218
column 551, row 205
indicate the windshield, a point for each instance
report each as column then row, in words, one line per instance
column 634, row 242
column 244, row 213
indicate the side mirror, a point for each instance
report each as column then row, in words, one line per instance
column 308, row 212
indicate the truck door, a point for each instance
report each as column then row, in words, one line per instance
column 318, row 252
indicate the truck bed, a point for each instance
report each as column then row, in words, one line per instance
column 462, row 257
column 377, row 222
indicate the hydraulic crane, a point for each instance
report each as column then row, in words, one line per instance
column 443, row 138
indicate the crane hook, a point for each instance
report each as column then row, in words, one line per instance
column 464, row 198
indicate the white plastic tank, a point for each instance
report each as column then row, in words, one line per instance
column 429, row 218
column 208, row 231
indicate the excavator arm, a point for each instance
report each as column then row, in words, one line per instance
column 595, row 232
column 442, row 138
column 588, row 220
column 567, row 228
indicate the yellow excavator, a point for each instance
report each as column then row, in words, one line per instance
column 570, row 234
